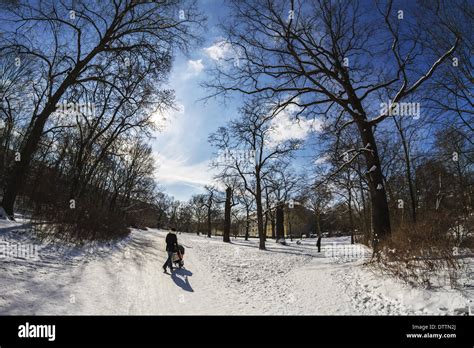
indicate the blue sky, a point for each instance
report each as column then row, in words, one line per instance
column 181, row 148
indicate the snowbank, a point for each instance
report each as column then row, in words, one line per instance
column 219, row 278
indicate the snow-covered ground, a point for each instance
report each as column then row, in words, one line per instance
column 219, row 278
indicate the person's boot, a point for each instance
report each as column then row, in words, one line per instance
column 164, row 269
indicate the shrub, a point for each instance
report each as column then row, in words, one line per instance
column 423, row 253
column 84, row 223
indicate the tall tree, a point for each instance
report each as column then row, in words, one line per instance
column 247, row 152
column 246, row 200
column 89, row 42
column 327, row 59
column 283, row 183
column 210, row 200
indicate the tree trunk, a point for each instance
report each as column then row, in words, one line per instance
column 364, row 210
column 20, row 169
column 265, row 224
column 5, row 144
column 258, row 200
column 19, row 173
column 247, row 224
column 280, row 222
column 209, row 224
column 351, row 217
column 406, row 153
column 378, row 194
column 462, row 191
column 272, row 222
column 227, row 219
column 267, row 212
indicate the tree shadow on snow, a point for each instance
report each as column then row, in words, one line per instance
column 302, row 250
column 180, row 278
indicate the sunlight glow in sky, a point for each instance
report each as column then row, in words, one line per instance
column 181, row 149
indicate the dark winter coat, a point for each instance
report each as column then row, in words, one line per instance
column 171, row 242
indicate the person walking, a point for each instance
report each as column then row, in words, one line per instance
column 318, row 243
column 171, row 247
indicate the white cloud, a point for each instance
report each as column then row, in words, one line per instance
column 195, row 67
column 321, row 160
column 177, row 170
column 286, row 127
column 219, row 50
column 174, row 151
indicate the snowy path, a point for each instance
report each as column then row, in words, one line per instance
column 219, row 278
column 129, row 280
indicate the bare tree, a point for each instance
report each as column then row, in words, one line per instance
column 282, row 183
column 210, row 200
column 199, row 211
column 451, row 90
column 246, row 201
column 317, row 200
column 318, row 55
column 246, row 152
column 92, row 42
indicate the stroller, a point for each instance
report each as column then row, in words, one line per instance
column 178, row 256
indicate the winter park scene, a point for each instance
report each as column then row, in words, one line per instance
column 236, row 157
